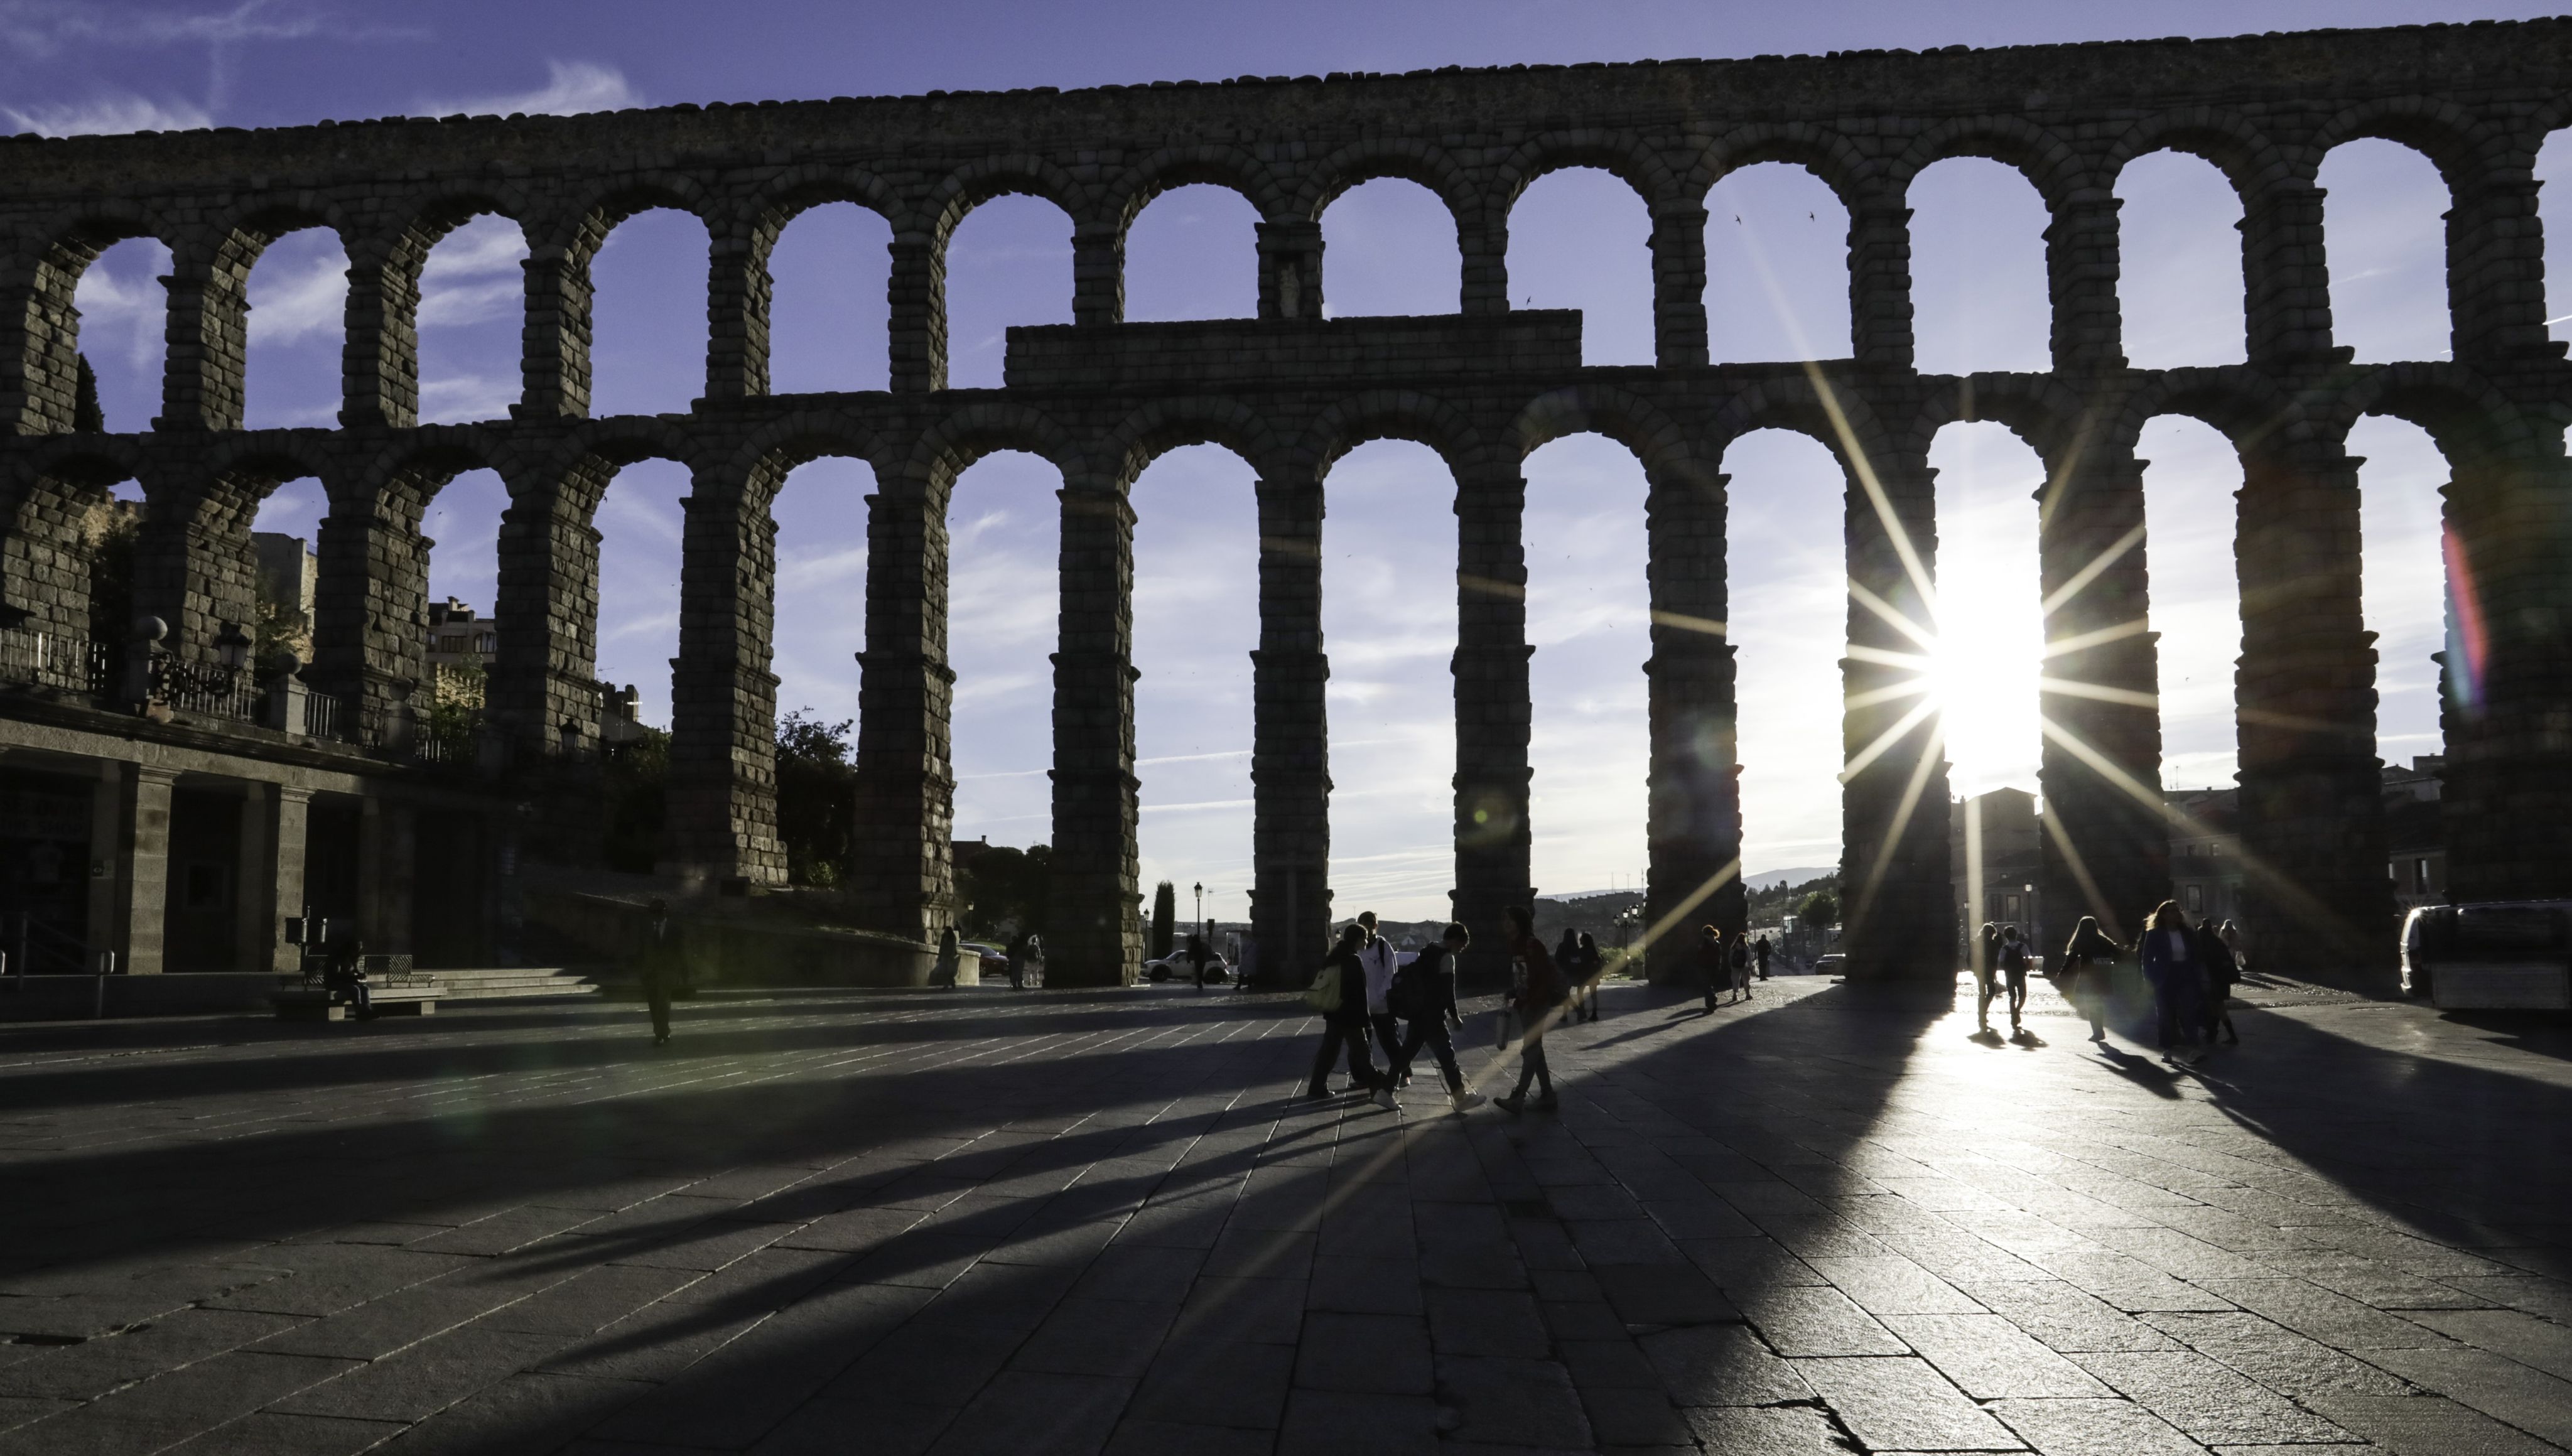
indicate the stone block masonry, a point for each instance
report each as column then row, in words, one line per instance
column 1291, row 391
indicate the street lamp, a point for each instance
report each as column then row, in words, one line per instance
column 1200, row 889
column 232, row 646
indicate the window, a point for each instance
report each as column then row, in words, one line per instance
column 2421, row 870
column 2196, row 899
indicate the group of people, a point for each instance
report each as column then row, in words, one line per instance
column 1728, row 964
column 1366, row 992
column 2191, row 970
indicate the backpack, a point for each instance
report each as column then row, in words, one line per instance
column 1413, row 994
column 1324, row 993
column 2013, row 956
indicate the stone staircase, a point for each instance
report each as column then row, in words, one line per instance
column 511, row 983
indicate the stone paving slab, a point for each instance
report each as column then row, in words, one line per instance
column 1826, row 1219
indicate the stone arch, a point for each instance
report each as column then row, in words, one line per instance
column 781, row 199
column 2044, row 415
column 2044, row 157
column 1657, row 442
column 2453, row 137
column 596, row 216
column 1822, row 151
column 979, row 181
column 1231, row 168
column 1164, row 426
column 1395, row 415
column 2245, row 406
column 2471, row 422
column 2247, row 157
column 1412, row 161
column 949, row 446
column 52, row 258
column 758, row 469
column 54, row 509
column 1807, row 405
column 1622, row 154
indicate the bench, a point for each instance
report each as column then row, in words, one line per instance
column 388, row 992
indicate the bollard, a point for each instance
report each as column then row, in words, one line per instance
column 97, row 985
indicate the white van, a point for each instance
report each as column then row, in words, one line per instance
column 2493, row 956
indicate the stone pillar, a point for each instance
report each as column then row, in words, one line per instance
column 2507, row 680
column 1482, row 279
column 2284, row 276
column 1098, row 298
column 1095, row 932
column 1290, row 783
column 255, row 866
column 2107, row 852
column 1897, row 899
column 194, row 567
column 142, row 869
column 915, row 296
column 723, row 698
column 1491, row 717
column 549, row 603
column 1678, row 284
column 201, row 381
column 1290, row 269
column 738, row 291
column 40, row 343
column 2312, row 815
column 553, row 361
column 379, row 354
column 386, row 871
column 371, row 580
column 2081, row 279
column 107, row 865
column 902, row 867
column 1879, row 245
column 2496, row 271
column 287, row 843
column 1694, row 833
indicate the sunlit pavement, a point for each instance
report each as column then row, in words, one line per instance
column 1069, row 1222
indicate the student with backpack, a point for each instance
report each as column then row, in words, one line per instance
column 1591, row 968
column 1423, row 995
column 1339, row 994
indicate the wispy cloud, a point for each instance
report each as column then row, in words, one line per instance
column 570, row 87
column 109, row 115
column 44, row 27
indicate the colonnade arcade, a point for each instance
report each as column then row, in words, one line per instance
column 1291, row 391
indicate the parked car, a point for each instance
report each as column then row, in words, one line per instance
column 993, row 960
column 1831, row 964
column 2491, row 955
column 1177, row 967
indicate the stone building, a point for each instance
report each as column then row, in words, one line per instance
column 1291, row 391
column 1995, row 851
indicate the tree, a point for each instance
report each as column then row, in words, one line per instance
column 1003, row 890
column 87, row 417
column 1166, row 918
column 1820, row 911
column 634, row 786
column 817, row 797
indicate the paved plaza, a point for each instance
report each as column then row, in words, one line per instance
column 1828, row 1220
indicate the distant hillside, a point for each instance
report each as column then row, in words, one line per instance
column 1771, row 879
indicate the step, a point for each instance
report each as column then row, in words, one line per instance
column 504, row 982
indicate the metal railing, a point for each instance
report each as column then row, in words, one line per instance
column 208, row 689
column 327, row 716
column 56, row 660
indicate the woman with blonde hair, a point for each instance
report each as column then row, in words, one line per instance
column 2177, row 970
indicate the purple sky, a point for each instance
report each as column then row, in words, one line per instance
column 1577, row 240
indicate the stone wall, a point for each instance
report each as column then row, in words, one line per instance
column 1291, row 391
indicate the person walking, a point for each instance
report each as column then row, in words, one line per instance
column 2088, row 960
column 1709, row 960
column 1761, row 948
column 1016, row 955
column 950, row 954
column 1199, row 955
column 2175, row 970
column 1594, row 969
column 1737, row 961
column 1344, row 1023
column 2013, row 969
column 660, row 969
column 1986, row 963
column 1380, row 958
column 1424, row 996
column 1538, row 1004
column 2234, row 943
column 2222, row 974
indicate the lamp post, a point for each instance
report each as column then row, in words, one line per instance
column 1200, row 889
column 232, row 646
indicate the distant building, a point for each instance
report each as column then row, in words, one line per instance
column 289, row 579
column 459, row 639
column 2002, row 833
column 2206, row 852
column 2414, row 838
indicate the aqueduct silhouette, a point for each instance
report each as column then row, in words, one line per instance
column 1291, row 391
